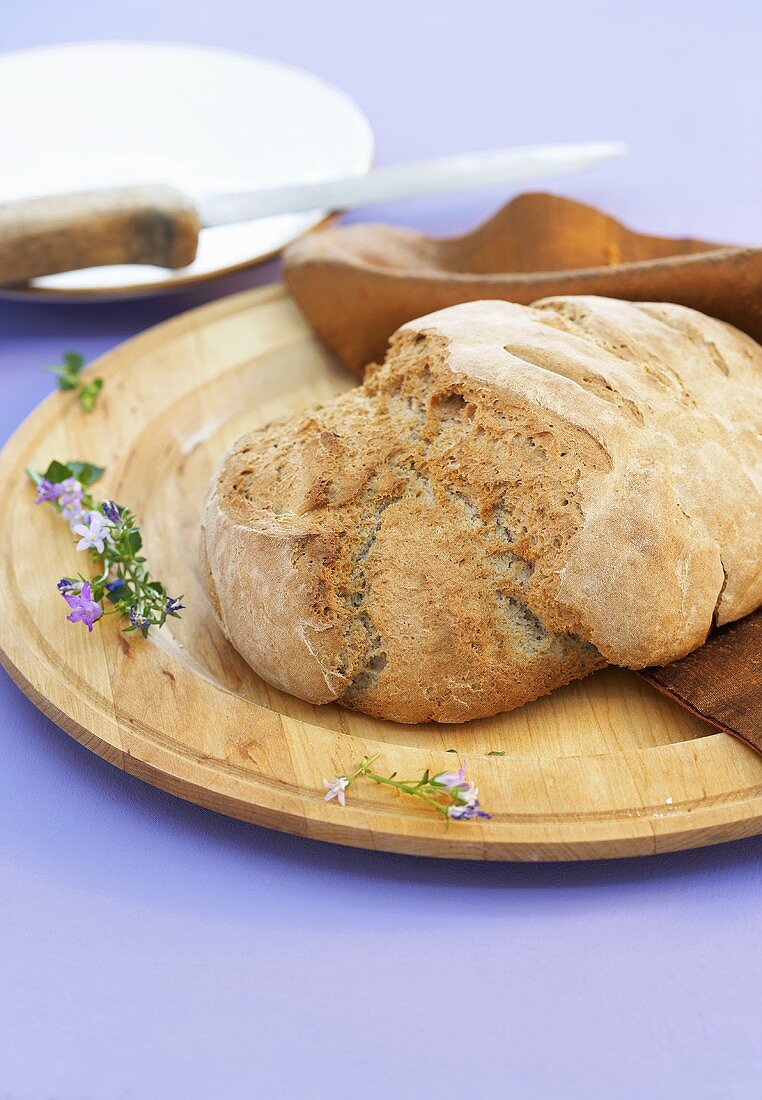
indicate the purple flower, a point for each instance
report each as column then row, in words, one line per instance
column 65, row 586
column 47, row 490
column 70, row 489
column 138, row 621
column 464, row 791
column 173, row 605
column 466, row 811
column 94, row 533
column 112, row 513
column 70, row 498
column 468, row 793
column 84, row 608
column 451, row 780
column 112, row 585
column 458, row 785
column 73, row 513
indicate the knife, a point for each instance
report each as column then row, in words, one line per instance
column 158, row 224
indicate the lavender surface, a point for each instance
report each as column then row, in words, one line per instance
column 149, row 948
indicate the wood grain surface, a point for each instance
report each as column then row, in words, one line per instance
column 606, row 767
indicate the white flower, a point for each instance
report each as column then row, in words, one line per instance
column 336, row 788
column 93, row 533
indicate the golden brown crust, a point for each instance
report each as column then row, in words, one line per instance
column 516, row 496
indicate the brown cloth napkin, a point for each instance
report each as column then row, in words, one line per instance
column 358, row 284
column 722, row 681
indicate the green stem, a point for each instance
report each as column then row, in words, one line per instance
column 362, row 769
column 401, row 785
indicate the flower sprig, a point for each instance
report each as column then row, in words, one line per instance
column 451, row 794
column 110, row 535
column 67, row 374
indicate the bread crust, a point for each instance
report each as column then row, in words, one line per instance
column 517, row 496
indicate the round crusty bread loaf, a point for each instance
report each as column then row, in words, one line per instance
column 516, row 497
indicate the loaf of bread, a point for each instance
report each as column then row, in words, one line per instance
column 516, row 497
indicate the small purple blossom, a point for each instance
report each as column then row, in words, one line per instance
column 468, row 793
column 94, row 533
column 111, row 586
column 112, row 513
column 460, row 811
column 464, row 791
column 138, row 621
column 73, row 514
column 458, row 785
column 173, row 605
column 70, row 499
column 452, row 780
column 65, row 585
column 84, row 608
column 47, row 490
column 70, row 492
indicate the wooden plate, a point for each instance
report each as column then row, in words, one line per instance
column 606, row 767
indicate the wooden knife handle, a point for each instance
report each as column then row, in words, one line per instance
column 128, row 225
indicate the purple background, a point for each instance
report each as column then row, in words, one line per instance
column 153, row 949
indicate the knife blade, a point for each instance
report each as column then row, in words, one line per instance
column 465, row 172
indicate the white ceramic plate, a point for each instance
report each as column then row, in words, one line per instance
column 102, row 114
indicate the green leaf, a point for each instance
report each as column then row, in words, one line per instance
column 73, row 361
column 85, row 472
column 66, row 381
column 135, row 541
column 496, row 752
column 451, row 750
column 57, row 472
column 66, row 372
column 88, row 394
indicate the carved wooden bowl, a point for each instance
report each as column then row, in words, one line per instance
column 358, row 283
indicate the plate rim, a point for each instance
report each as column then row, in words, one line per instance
column 28, row 292
column 360, row 823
